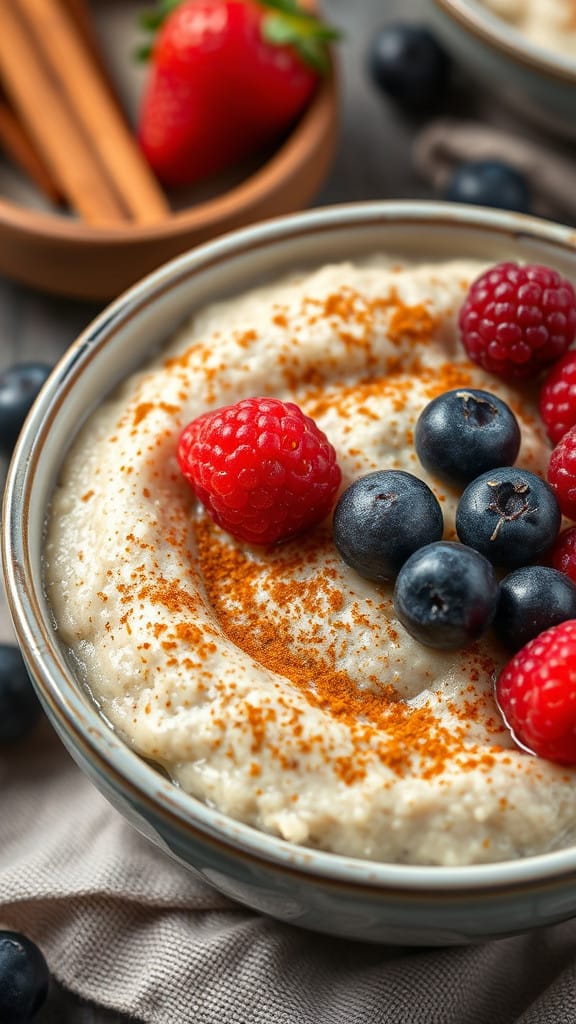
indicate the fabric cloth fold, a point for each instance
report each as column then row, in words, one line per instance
column 446, row 142
column 128, row 929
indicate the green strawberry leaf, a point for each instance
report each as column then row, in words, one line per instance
column 142, row 53
column 288, row 24
column 285, row 6
column 313, row 53
column 279, row 31
column 151, row 21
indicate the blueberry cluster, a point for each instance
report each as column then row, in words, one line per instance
column 388, row 526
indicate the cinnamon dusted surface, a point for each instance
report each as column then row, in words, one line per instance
column 275, row 683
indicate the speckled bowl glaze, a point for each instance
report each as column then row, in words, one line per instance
column 353, row 898
column 534, row 81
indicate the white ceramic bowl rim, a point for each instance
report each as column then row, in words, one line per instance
column 504, row 36
column 128, row 773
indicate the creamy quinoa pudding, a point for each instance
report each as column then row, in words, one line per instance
column 547, row 23
column 275, row 683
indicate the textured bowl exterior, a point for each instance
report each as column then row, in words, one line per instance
column 396, row 904
column 533, row 81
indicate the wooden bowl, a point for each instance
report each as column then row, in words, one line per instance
column 58, row 253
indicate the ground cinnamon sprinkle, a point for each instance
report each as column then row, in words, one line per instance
column 361, row 316
column 356, row 320
column 396, row 387
column 411, row 322
column 269, row 606
column 276, row 634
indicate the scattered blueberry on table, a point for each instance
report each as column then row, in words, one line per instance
column 489, row 183
column 408, row 64
column 382, row 518
column 19, row 387
column 24, row 978
column 20, row 708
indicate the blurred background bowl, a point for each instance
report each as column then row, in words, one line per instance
column 393, row 903
column 536, row 82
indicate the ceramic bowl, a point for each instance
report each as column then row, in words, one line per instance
column 358, row 899
column 534, row 81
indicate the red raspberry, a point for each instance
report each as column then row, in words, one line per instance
column 516, row 320
column 558, row 397
column 563, row 554
column 536, row 692
column 562, row 473
column 262, row 468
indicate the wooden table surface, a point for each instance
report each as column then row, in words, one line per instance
column 373, row 161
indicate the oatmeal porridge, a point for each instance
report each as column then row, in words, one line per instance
column 274, row 683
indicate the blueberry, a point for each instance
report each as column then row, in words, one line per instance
column 19, row 705
column 446, row 595
column 383, row 517
column 24, row 978
column 489, row 183
column 19, row 386
column 532, row 599
column 508, row 514
column 465, row 432
column 408, row 64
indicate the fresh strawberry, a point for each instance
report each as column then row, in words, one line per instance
column 227, row 77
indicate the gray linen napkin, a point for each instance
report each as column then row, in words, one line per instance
column 125, row 927
column 447, row 142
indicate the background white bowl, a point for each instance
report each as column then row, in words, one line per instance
column 534, row 81
column 379, row 902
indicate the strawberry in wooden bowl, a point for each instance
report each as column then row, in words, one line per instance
column 227, row 77
column 236, row 118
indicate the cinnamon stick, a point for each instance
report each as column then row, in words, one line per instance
column 42, row 108
column 79, row 11
column 83, row 81
column 81, row 15
column 15, row 141
column 64, row 101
